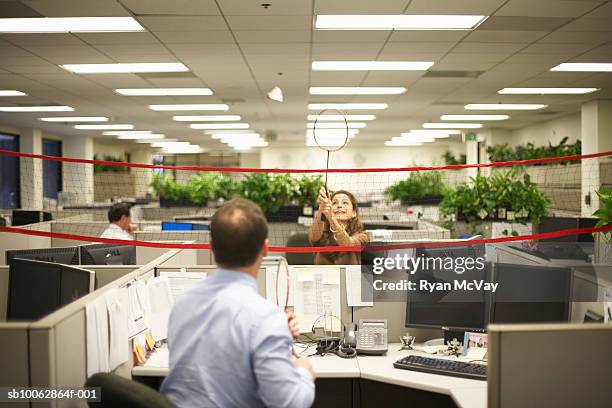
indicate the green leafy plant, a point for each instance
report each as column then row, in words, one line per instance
column 503, row 152
column 450, row 159
column 483, row 197
column 269, row 191
column 418, row 187
column 308, row 190
column 203, row 187
column 604, row 213
column 165, row 187
column 105, row 168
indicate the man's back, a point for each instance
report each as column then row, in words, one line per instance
column 229, row 347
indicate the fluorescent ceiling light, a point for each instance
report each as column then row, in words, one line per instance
column 219, row 126
column 163, row 91
column 584, row 67
column 126, row 132
column 252, row 143
column 69, row 25
column 371, row 65
column 218, row 134
column 143, row 136
column 474, row 117
column 504, row 106
column 347, row 106
column 191, row 107
column 104, row 127
column 356, row 90
column 75, row 119
column 413, row 138
column 429, row 133
column 402, row 143
column 36, row 109
column 336, row 125
column 11, row 92
column 167, row 143
column 452, row 125
column 547, row 91
column 435, row 131
column 154, row 140
column 138, row 67
column 319, row 118
column 397, row 22
column 332, row 132
column 207, row 118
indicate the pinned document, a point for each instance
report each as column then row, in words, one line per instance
column 159, row 306
column 359, row 289
column 181, row 281
column 96, row 321
column 317, row 293
column 119, row 351
column 135, row 310
column 271, row 273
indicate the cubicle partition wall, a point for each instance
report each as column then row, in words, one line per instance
column 204, row 256
column 22, row 241
column 14, row 359
column 549, row 365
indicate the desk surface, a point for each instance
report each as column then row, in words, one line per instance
column 466, row 393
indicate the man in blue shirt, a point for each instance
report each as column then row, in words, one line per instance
column 230, row 347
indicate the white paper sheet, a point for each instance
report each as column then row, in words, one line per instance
column 96, row 318
column 181, row 281
column 119, row 351
column 356, row 282
column 160, row 358
column 159, row 306
column 608, row 304
column 271, row 272
column 135, row 310
column 317, row 293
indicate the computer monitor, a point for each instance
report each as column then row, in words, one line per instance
column 452, row 310
column 200, row 227
column 63, row 255
column 552, row 224
column 176, row 226
column 38, row 288
column 108, row 254
column 531, row 294
column 24, row 217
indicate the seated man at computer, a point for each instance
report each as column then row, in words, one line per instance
column 229, row 346
column 120, row 219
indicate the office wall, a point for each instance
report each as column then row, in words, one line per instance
column 551, row 131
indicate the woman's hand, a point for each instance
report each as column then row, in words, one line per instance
column 325, row 206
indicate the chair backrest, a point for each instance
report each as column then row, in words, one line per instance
column 299, row 240
column 117, row 391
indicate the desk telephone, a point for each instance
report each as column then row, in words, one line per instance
column 370, row 337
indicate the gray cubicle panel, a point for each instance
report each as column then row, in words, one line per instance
column 106, row 274
column 14, row 358
column 22, row 241
column 204, row 256
column 4, row 284
column 549, row 365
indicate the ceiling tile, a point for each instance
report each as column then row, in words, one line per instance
column 242, row 23
column 195, row 37
column 262, row 36
column 174, row 7
column 479, row 7
column 360, row 6
column 77, row 8
column 505, row 36
column 183, row 23
column 117, row 38
column 546, row 8
column 523, row 23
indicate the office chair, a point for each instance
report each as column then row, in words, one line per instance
column 117, row 391
column 299, row 240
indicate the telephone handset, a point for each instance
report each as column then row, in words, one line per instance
column 371, row 336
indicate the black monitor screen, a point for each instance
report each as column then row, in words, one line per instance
column 531, row 294
column 24, row 217
column 34, row 289
column 67, row 255
column 76, row 282
column 108, row 254
column 454, row 309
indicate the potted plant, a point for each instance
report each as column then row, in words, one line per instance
column 419, row 188
column 603, row 240
column 170, row 193
column 503, row 196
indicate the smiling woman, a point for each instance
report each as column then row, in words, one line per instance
column 337, row 223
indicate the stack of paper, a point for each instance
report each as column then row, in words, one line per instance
column 317, row 294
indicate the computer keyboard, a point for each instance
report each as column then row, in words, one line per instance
column 442, row 366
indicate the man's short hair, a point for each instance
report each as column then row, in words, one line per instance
column 238, row 231
column 117, row 211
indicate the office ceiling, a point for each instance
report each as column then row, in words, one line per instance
column 241, row 49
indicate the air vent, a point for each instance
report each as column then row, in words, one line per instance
column 453, row 74
column 166, row 75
